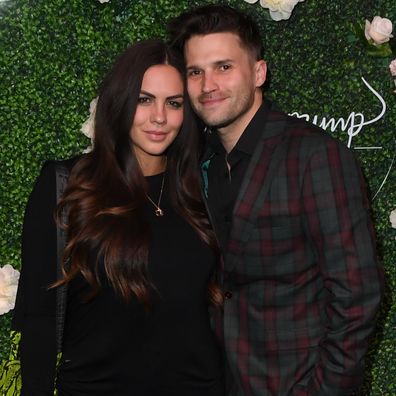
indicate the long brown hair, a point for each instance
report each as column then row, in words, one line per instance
column 107, row 190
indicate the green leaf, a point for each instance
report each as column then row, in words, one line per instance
column 379, row 51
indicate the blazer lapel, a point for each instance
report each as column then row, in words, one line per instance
column 255, row 185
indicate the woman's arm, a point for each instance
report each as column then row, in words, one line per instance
column 39, row 258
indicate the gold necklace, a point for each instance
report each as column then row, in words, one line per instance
column 158, row 211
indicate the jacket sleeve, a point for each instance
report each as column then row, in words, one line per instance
column 339, row 226
column 36, row 317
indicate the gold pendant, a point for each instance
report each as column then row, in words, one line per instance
column 159, row 212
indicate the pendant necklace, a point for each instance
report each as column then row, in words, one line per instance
column 158, row 211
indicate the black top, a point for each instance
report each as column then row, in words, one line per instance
column 224, row 184
column 116, row 348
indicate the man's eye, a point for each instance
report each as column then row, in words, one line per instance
column 225, row 67
column 194, row 73
column 144, row 100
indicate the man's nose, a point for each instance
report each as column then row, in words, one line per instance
column 208, row 83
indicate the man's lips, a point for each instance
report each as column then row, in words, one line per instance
column 211, row 100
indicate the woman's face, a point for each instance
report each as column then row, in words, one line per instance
column 159, row 113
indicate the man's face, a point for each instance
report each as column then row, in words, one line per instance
column 223, row 80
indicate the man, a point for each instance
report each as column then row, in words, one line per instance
column 287, row 201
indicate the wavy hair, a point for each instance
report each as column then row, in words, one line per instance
column 107, row 190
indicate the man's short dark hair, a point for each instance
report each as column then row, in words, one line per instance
column 216, row 19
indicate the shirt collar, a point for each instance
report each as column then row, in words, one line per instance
column 250, row 136
column 247, row 143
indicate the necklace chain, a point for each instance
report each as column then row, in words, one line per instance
column 158, row 211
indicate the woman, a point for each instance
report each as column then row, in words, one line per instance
column 139, row 255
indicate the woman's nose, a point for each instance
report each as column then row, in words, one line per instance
column 158, row 114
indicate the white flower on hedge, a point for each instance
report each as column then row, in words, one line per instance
column 103, row 1
column 278, row 9
column 9, row 278
column 392, row 68
column 88, row 127
column 392, row 218
column 379, row 30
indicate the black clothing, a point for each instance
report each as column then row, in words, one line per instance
column 112, row 347
column 223, row 182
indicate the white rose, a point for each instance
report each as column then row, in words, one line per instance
column 88, row 127
column 279, row 9
column 392, row 218
column 103, row 1
column 379, row 30
column 8, row 288
column 392, row 67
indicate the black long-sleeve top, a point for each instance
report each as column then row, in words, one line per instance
column 112, row 347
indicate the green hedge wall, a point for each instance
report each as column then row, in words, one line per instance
column 53, row 54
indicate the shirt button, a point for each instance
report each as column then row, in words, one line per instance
column 227, row 295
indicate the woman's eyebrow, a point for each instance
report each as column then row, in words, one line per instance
column 168, row 97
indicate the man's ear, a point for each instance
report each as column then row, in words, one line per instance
column 261, row 72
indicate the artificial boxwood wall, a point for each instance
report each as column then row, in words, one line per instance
column 53, row 54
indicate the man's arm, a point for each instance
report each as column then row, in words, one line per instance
column 338, row 223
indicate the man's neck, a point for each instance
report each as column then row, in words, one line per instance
column 230, row 134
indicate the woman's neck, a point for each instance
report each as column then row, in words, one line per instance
column 154, row 166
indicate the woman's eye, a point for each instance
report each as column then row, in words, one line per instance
column 144, row 100
column 175, row 104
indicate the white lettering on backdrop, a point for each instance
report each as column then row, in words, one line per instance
column 353, row 124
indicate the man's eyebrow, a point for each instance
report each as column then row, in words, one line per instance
column 177, row 96
column 216, row 63
column 220, row 62
column 192, row 67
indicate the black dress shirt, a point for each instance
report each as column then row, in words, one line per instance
column 224, row 182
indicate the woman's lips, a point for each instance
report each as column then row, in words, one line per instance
column 156, row 136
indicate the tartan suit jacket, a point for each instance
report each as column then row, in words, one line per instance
column 301, row 277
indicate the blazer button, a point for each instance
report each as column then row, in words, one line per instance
column 227, row 295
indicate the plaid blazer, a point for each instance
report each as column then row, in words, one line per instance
column 301, row 278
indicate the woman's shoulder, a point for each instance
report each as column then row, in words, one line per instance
column 45, row 183
column 69, row 163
